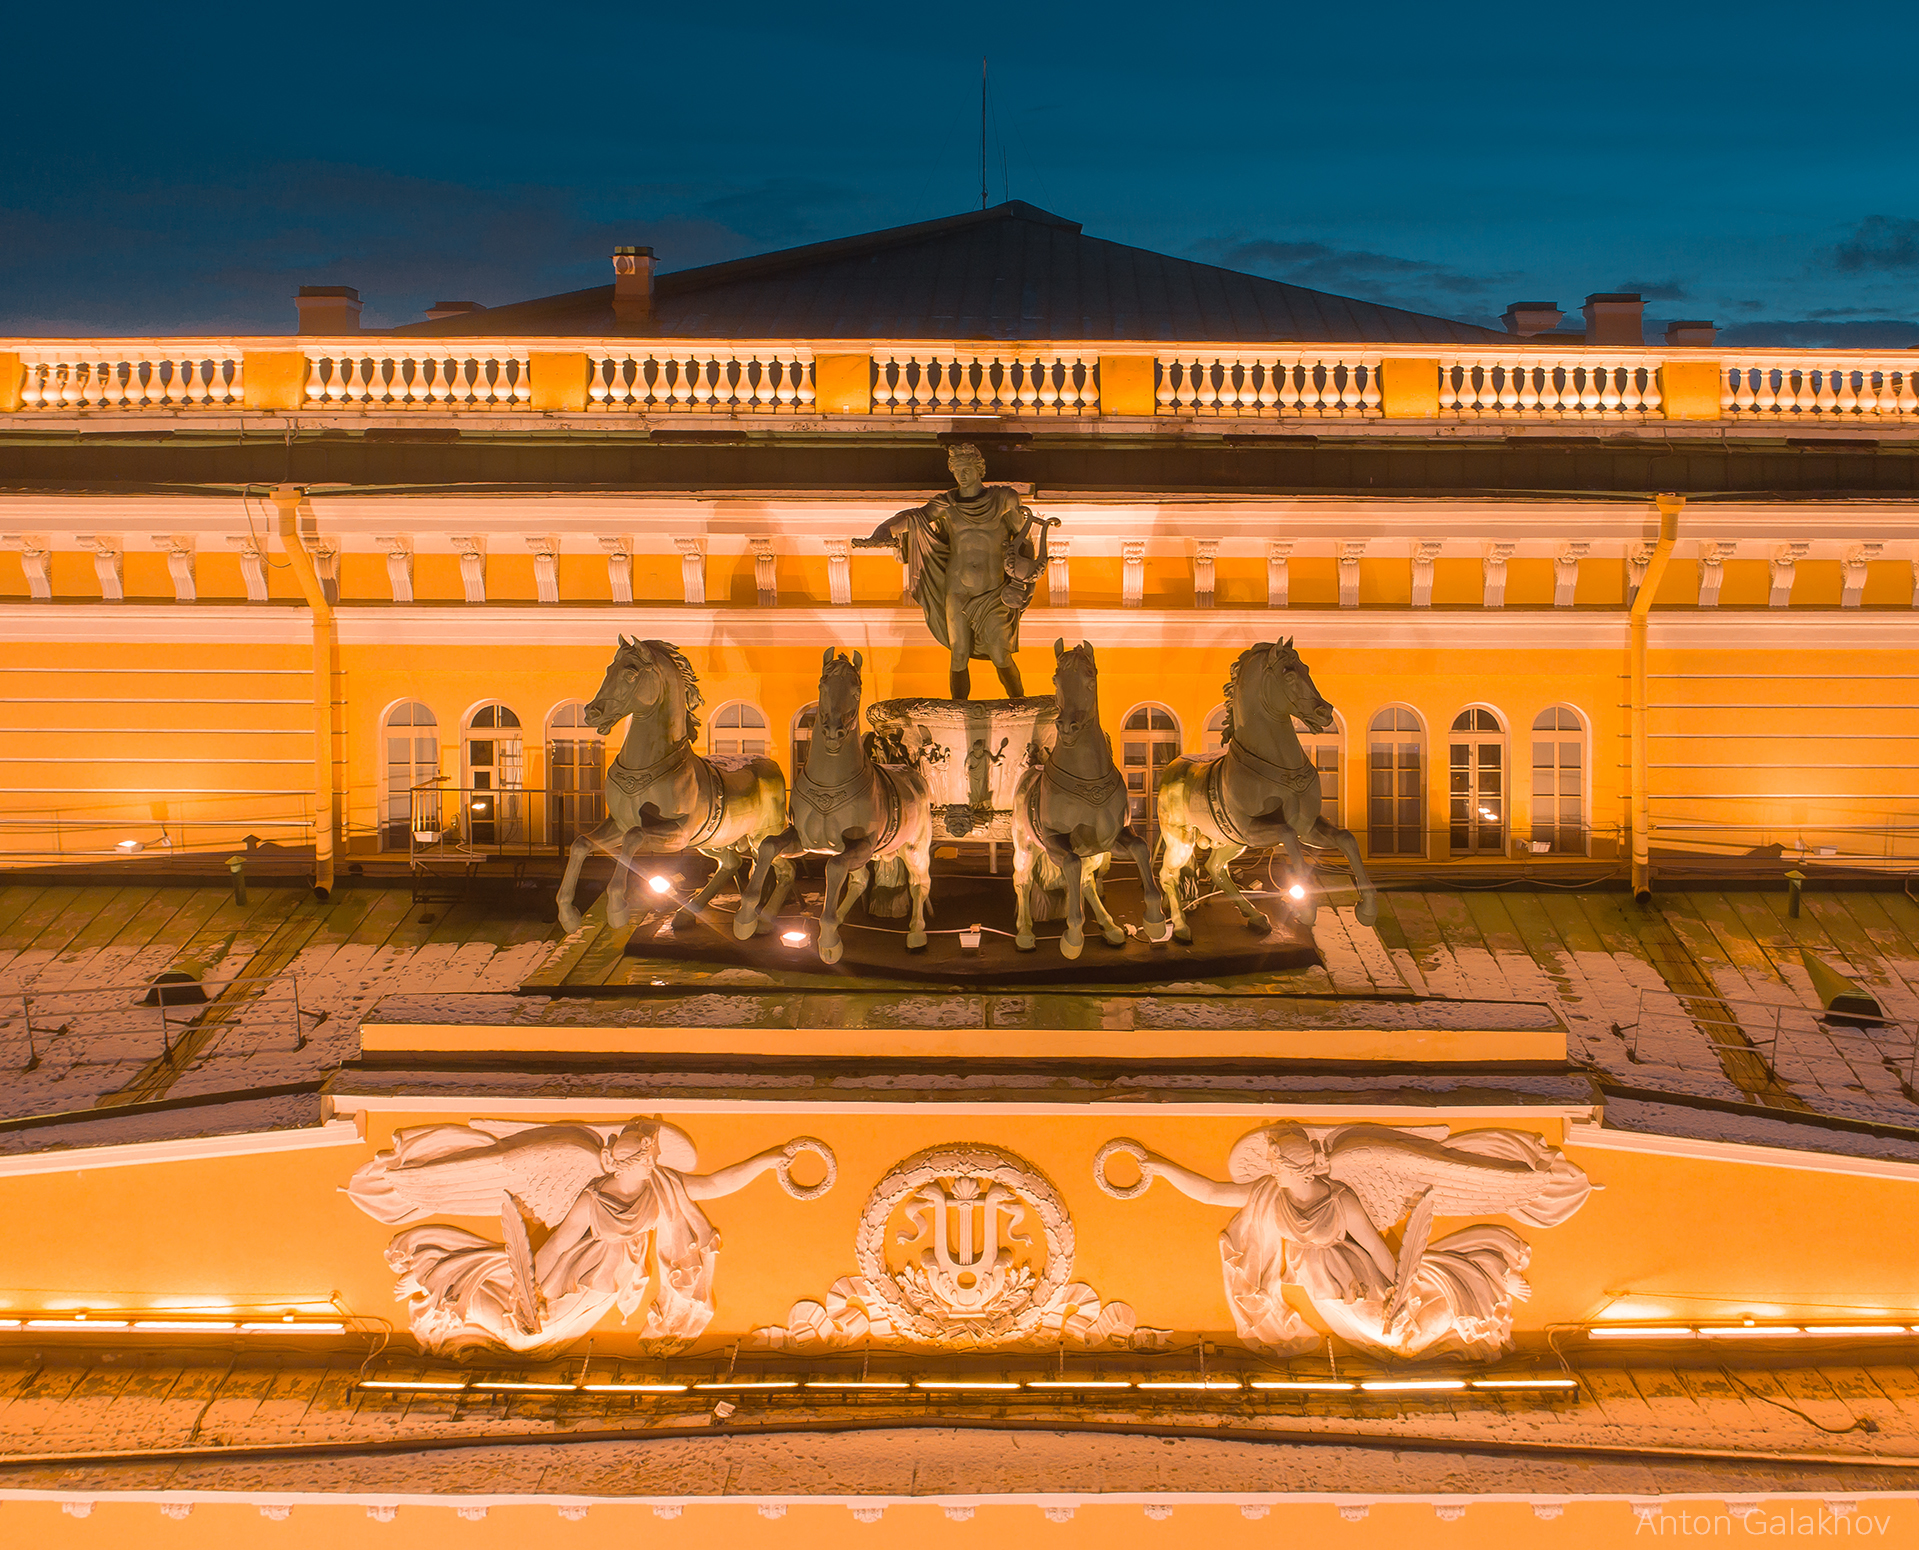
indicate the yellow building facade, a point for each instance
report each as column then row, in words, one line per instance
column 1567, row 1201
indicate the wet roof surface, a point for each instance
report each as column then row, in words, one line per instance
column 1011, row 272
column 1703, row 1001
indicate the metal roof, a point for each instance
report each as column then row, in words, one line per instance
column 1013, row 272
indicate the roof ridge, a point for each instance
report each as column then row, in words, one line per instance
column 731, row 269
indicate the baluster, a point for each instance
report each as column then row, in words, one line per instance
column 413, row 380
column 1648, row 396
column 706, row 384
column 1508, row 394
column 126, row 389
column 1742, row 395
column 1349, row 387
column 1207, row 397
column 93, row 385
column 69, row 389
column 137, row 394
column 33, row 391
column 1629, row 393
column 1847, row 398
column 886, row 368
column 113, row 392
column 1522, row 376
column 316, row 382
column 334, row 387
column 1875, row 391
column 1908, row 401
column 489, row 381
column 200, row 380
column 601, row 384
column 522, row 382
column 1165, row 395
column 1766, row 394
column 1588, row 396
column 1369, row 393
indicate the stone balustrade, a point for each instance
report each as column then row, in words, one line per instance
column 1505, row 384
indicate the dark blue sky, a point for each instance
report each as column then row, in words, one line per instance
column 184, row 168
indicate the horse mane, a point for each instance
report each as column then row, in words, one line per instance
column 1262, row 650
column 690, row 695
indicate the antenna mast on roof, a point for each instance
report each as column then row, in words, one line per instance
column 982, row 133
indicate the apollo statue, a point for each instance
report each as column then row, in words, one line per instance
column 974, row 565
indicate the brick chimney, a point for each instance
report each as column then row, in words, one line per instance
column 1526, row 318
column 1694, row 332
column 328, row 309
column 1615, row 317
column 452, row 309
column 633, row 286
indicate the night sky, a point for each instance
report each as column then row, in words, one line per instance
column 182, row 169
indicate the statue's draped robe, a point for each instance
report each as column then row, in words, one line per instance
column 928, row 550
column 1462, row 1290
column 466, row 1281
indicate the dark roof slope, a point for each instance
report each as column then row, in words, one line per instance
column 1011, row 272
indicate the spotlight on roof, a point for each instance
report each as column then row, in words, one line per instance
column 130, row 846
column 1296, row 892
column 793, row 938
column 660, row 884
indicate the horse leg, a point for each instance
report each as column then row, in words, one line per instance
column 727, row 861
column 619, row 907
column 782, row 886
column 1342, row 840
column 919, row 872
column 746, row 918
column 1157, row 927
column 1110, row 929
column 857, row 880
column 1306, row 909
column 583, row 845
column 838, row 868
column 1073, row 940
column 1025, row 858
column 1173, row 862
column 1219, row 867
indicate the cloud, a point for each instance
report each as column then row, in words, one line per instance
column 227, row 257
column 1421, row 284
column 1816, row 333
column 1656, row 290
column 1882, row 243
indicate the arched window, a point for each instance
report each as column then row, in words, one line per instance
column 495, row 777
column 737, row 728
column 1396, row 785
column 575, row 775
column 1476, row 776
column 412, row 759
column 1559, row 781
column 803, row 734
column 1322, row 752
column 1149, row 741
column 1215, row 738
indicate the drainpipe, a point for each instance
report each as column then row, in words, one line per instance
column 1669, row 508
column 286, row 500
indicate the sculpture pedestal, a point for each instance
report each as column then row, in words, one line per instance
column 958, row 744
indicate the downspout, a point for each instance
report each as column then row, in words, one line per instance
column 1669, row 508
column 286, row 500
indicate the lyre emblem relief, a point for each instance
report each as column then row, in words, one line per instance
column 964, row 1263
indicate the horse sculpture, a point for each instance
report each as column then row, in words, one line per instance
column 1070, row 813
column 661, row 797
column 1261, row 791
column 851, row 810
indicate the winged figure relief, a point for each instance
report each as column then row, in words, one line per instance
column 1314, row 1205
column 618, row 1214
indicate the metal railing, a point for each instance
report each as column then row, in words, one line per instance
column 1756, row 1027
column 448, row 823
column 51, row 1014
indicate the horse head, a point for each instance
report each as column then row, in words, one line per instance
column 838, row 716
column 651, row 681
column 1270, row 683
column 1076, row 687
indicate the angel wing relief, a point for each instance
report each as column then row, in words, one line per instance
column 591, row 1218
column 1314, row 1206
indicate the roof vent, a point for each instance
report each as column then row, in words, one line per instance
column 452, row 309
column 1615, row 317
column 175, row 987
column 1526, row 318
column 1693, row 332
column 633, row 286
column 328, row 309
